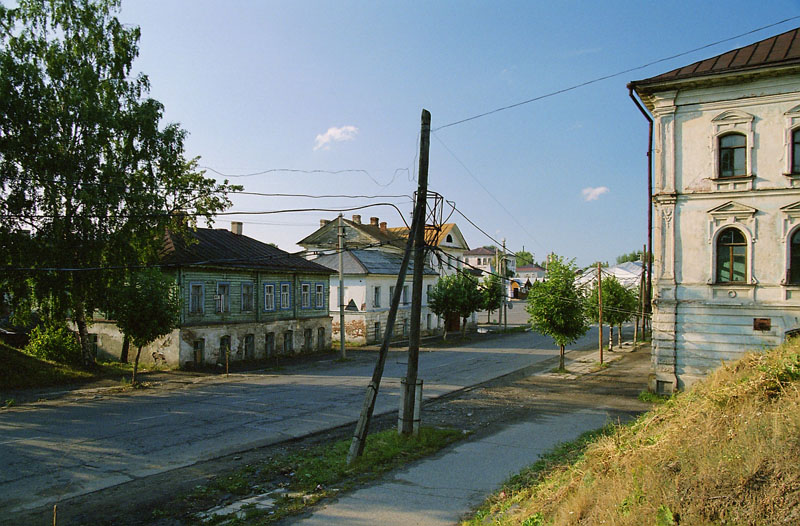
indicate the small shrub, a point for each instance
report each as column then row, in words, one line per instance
column 54, row 343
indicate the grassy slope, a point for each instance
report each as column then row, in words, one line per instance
column 23, row 371
column 725, row 452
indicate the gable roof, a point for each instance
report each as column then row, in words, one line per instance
column 432, row 236
column 223, row 248
column 776, row 51
column 356, row 234
column 370, row 262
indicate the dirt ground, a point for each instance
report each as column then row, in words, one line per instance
column 480, row 409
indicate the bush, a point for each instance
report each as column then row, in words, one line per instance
column 54, row 343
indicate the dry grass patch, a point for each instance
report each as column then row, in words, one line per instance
column 725, row 452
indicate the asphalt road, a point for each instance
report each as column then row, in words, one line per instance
column 53, row 450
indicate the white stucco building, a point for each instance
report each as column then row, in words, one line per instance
column 726, row 207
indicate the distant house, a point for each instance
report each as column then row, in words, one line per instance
column 532, row 272
column 452, row 246
column 238, row 295
column 726, row 203
column 487, row 260
column 373, row 235
column 370, row 277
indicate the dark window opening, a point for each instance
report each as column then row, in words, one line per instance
column 732, row 155
column 731, row 257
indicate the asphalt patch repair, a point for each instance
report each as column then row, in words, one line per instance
column 481, row 410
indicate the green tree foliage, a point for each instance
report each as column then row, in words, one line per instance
column 493, row 293
column 556, row 306
column 631, row 256
column 455, row 294
column 619, row 304
column 56, row 343
column 89, row 176
column 524, row 258
column 146, row 308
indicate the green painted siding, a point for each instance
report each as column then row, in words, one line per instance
column 209, row 279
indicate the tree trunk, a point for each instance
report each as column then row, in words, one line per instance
column 126, row 344
column 444, row 334
column 83, row 336
column 610, row 337
column 561, row 359
column 464, row 328
column 136, row 365
column 488, row 316
column 619, row 336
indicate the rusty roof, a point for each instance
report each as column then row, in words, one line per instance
column 778, row 50
column 433, row 236
column 223, row 248
column 359, row 234
column 481, row 251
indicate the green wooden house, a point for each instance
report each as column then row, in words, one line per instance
column 240, row 298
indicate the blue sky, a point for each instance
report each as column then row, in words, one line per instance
column 324, row 85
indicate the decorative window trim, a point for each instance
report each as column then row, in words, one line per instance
column 728, row 122
column 288, row 305
column 749, row 240
column 252, row 306
column 202, row 304
column 792, row 118
column 268, row 308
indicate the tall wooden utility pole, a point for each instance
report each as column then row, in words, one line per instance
column 342, row 351
column 419, row 267
column 600, row 310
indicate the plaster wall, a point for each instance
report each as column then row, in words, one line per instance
column 697, row 322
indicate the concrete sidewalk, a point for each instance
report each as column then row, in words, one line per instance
column 442, row 489
column 439, row 491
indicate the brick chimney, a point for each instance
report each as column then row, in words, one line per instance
column 383, row 226
column 373, row 221
column 356, row 219
column 236, row 227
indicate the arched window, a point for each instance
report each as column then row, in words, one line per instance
column 449, row 238
column 731, row 256
column 794, row 259
column 796, row 151
column 732, row 155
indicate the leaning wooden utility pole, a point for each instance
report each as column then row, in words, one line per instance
column 342, row 351
column 600, row 310
column 362, row 427
column 419, row 267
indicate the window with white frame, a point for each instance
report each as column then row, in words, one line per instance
column 405, row 294
column 793, row 273
column 305, row 295
column 319, row 296
column 285, row 295
column 269, row 296
column 196, row 298
column 248, row 296
column 796, row 151
column 223, row 297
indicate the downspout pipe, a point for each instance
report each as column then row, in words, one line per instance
column 649, row 291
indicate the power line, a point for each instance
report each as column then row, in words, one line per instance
column 315, row 171
column 488, row 193
column 606, row 77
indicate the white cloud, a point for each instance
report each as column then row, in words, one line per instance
column 592, row 194
column 324, row 140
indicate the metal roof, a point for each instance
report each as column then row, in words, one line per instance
column 778, row 50
column 223, row 248
column 370, row 262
